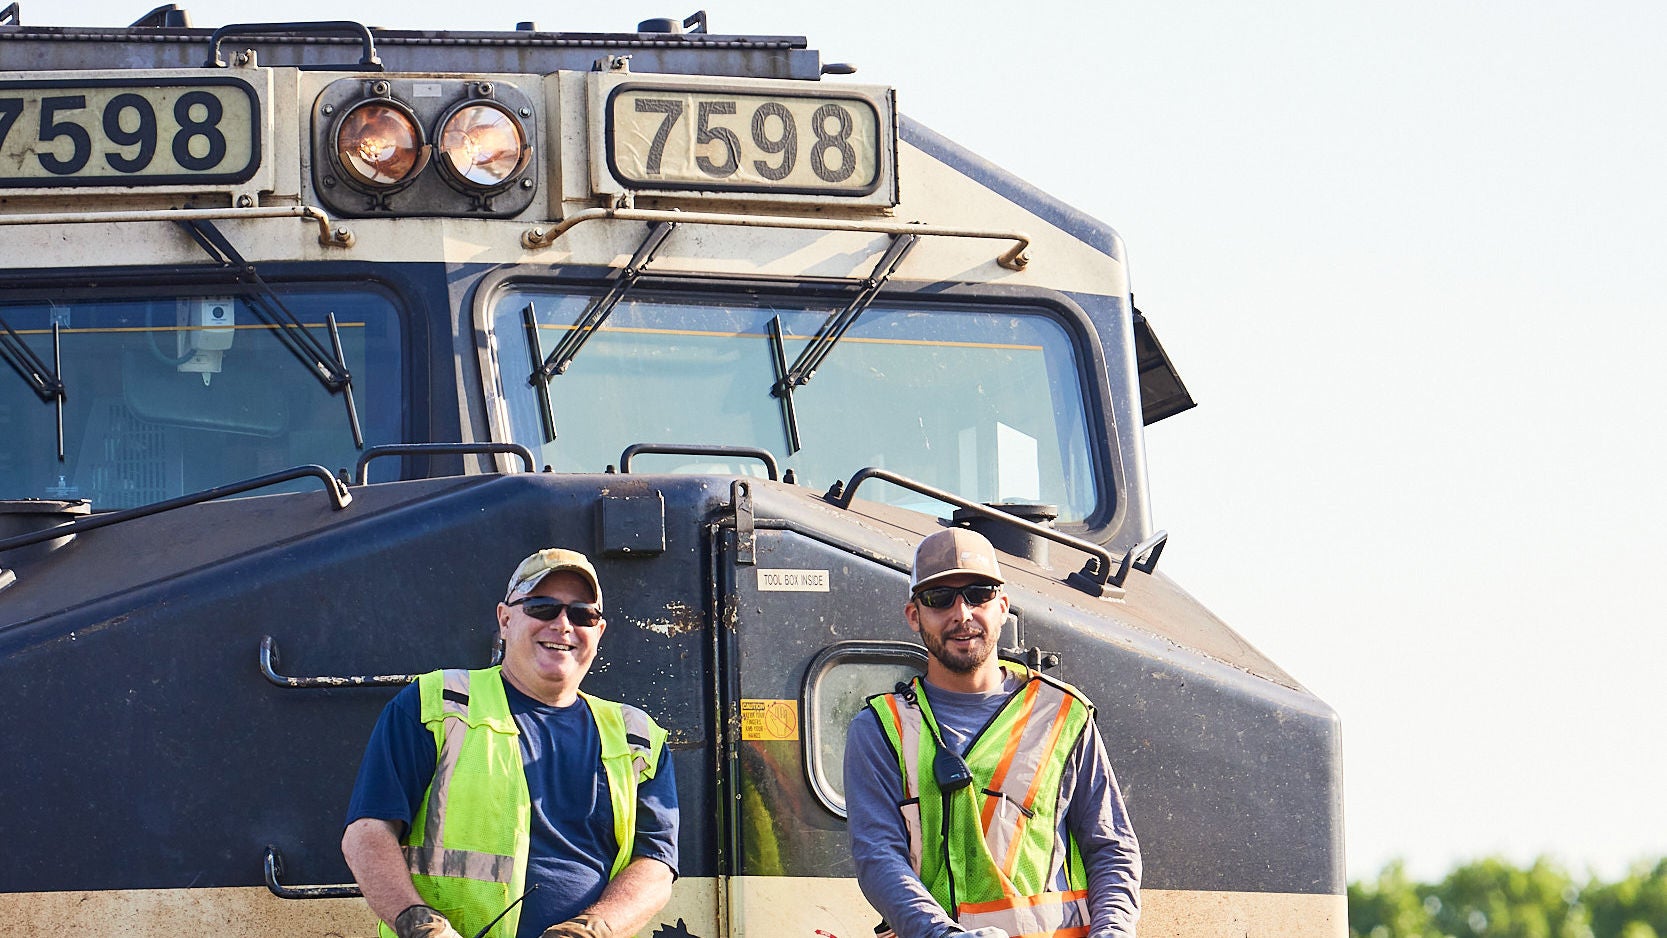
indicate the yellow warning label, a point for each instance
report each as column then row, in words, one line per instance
column 769, row 719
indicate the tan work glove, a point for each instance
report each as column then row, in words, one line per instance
column 420, row 921
column 583, row 926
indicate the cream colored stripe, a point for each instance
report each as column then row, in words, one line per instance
column 457, row 681
column 759, row 907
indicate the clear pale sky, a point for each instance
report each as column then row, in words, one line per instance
column 1409, row 258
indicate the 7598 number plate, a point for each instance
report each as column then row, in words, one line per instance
column 661, row 136
column 119, row 132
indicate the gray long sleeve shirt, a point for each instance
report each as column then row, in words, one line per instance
column 1094, row 814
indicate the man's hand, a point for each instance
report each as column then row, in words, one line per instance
column 584, row 926
column 988, row 931
column 420, row 921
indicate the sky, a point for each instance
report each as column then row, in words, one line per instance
column 1409, row 259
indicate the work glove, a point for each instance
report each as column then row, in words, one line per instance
column 584, row 926
column 420, row 921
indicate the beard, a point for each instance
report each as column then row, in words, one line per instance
column 959, row 662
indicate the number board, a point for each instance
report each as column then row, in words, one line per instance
column 775, row 140
column 128, row 132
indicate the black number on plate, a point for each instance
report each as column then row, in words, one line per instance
column 839, row 140
column 144, row 135
column 191, row 128
column 704, row 133
column 786, row 142
column 52, row 128
column 198, row 114
column 673, row 109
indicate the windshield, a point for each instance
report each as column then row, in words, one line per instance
column 984, row 402
column 169, row 394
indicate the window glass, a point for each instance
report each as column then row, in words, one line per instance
column 842, row 679
column 166, row 395
column 988, row 402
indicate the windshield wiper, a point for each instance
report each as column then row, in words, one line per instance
column 44, row 381
column 329, row 366
column 835, row 327
column 589, row 321
column 778, row 352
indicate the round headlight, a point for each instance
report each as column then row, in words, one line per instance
column 379, row 145
column 482, row 146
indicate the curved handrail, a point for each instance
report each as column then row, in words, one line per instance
column 340, row 498
column 1014, row 258
column 1094, row 576
column 275, row 869
column 368, row 60
column 329, row 233
column 684, row 449
column 269, row 669
column 361, row 471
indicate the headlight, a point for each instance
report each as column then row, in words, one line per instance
column 379, row 145
column 482, row 146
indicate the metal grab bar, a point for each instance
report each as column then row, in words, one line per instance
column 275, row 869
column 329, row 234
column 682, row 449
column 361, row 471
column 1014, row 258
column 269, row 664
column 1094, row 576
column 339, row 499
column 369, row 60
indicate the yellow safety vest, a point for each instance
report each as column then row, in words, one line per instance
column 467, row 846
column 990, row 853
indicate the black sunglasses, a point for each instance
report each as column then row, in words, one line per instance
column 942, row 597
column 546, row 609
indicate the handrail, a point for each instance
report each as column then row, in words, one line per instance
column 1094, row 576
column 339, row 499
column 361, row 471
column 771, row 467
column 269, row 665
column 1015, row 257
column 369, row 60
column 329, row 233
column 275, row 869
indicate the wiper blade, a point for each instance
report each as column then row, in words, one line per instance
column 44, row 381
column 329, row 367
column 603, row 306
column 789, row 414
column 835, row 327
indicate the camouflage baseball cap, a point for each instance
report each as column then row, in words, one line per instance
column 953, row 551
column 535, row 568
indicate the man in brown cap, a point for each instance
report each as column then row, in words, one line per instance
column 510, row 788
column 980, row 799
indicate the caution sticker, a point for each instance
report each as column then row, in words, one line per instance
column 769, row 719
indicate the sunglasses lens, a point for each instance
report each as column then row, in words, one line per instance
column 942, row 597
column 548, row 610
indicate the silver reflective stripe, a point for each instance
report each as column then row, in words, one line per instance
column 908, row 736
column 445, row 765
column 463, row 864
column 637, row 724
column 1052, row 913
column 1046, row 708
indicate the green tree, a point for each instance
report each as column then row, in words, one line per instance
column 1389, row 907
column 1633, row 907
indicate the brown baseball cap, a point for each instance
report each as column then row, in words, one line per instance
column 953, row 551
column 536, row 567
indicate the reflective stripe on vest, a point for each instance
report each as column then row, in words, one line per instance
column 464, row 859
column 1003, row 859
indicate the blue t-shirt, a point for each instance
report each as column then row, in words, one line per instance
column 572, row 844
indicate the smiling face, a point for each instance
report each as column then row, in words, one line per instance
column 960, row 640
column 547, row 660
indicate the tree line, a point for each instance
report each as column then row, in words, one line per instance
column 1500, row 900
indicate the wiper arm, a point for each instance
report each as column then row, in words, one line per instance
column 778, row 351
column 835, row 327
column 44, row 381
column 329, row 367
